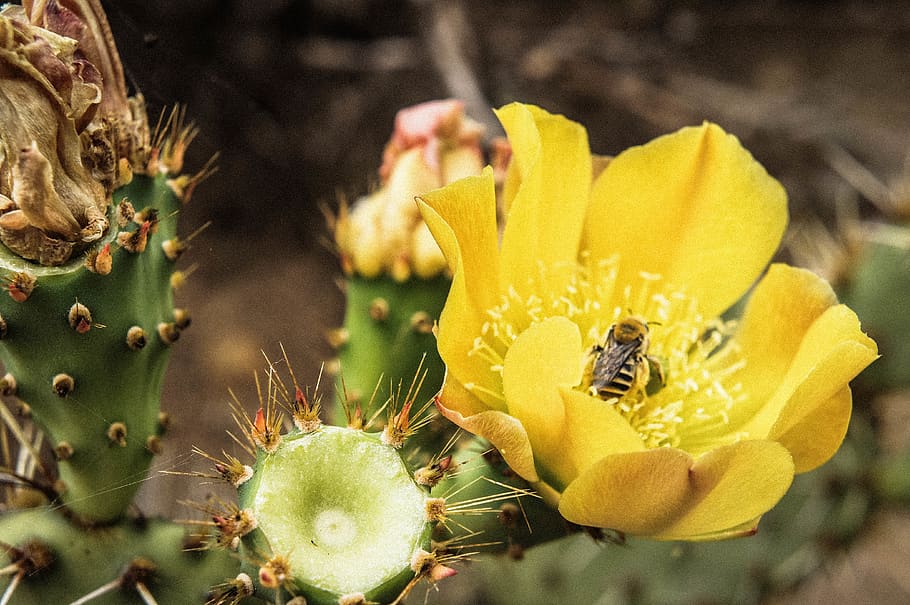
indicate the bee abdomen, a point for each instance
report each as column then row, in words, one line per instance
column 620, row 384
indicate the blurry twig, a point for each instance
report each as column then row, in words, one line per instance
column 446, row 32
column 647, row 76
column 891, row 199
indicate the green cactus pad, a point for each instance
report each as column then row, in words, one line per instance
column 387, row 329
column 108, row 409
column 85, row 560
column 878, row 293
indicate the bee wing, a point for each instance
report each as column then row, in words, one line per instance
column 612, row 359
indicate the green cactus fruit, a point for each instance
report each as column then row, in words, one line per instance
column 88, row 350
column 344, row 515
column 342, row 510
column 330, row 514
column 62, row 563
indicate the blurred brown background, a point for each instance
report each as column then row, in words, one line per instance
column 299, row 96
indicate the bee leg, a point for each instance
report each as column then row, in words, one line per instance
column 588, row 368
column 658, row 368
column 639, row 388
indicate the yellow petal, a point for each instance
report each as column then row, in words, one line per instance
column 551, row 155
column 694, row 207
column 749, row 528
column 731, row 486
column 462, row 218
column 545, row 357
column 813, row 435
column 594, row 429
column 780, row 311
column 663, row 493
column 639, row 493
column 833, row 351
column 504, row 432
column 457, row 397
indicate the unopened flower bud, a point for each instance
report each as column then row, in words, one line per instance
column 383, row 233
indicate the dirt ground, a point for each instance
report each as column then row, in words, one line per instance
column 298, row 98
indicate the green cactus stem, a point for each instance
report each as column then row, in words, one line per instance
column 388, row 331
column 891, row 478
column 62, row 563
column 88, row 351
column 877, row 290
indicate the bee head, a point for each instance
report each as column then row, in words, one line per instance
column 630, row 328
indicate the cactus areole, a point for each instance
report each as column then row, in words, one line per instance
column 352, row 522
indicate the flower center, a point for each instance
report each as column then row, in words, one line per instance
column 674, row 380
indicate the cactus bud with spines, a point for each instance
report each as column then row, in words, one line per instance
column 396, row 278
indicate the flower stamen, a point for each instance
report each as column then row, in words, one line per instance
column 692, row 410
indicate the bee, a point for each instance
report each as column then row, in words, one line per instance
column 622, row 365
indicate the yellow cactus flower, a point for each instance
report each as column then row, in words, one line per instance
column 703, row 426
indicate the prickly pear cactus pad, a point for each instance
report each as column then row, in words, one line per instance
column 88, row 205
column 88, row 352
column 88, row 247
column 132, row 561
